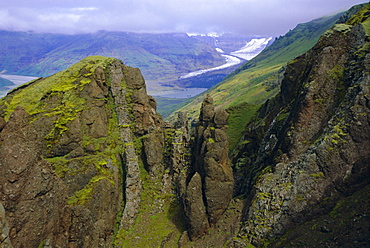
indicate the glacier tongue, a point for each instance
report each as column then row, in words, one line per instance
column 252, row 48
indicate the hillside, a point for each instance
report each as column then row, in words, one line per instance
column 258, row 79
column 304, row 159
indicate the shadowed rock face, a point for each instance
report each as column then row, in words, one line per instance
column 313, row 137
column 212, row 164
column 4, row 229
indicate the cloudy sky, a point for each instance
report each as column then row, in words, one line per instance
column 251, row 17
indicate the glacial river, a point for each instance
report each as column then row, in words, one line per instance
column 17, row 80
column 230, row 61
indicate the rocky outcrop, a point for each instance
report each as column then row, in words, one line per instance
column 64, row 146
column 195, row 208
column 212, row 165
column 313, row 139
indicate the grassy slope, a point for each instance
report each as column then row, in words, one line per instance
column 160, row 219
column 240, row 115
column 247, row 84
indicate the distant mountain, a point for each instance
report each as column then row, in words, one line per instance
column 160, row 57
column 236, row 49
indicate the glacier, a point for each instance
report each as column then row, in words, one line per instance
column 252, row 48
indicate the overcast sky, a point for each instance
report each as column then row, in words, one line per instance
column 250, row 17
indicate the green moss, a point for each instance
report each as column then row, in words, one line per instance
column 318, row 175
column 343, row 28
column 41, row 245
column 337, row 73
column 366, row 26
column 263, row 195
column 70, row 80
column 160, row 217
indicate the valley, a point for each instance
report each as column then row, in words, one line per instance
column 173, row 65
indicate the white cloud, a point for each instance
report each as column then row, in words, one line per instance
column 254, row 17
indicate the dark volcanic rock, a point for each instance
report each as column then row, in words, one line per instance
column 314, row 137
column 195, row 211
column 211, row 161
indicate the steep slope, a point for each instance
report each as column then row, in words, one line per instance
column 258, row 79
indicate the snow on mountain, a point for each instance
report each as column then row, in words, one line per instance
column 252, row 48
column 212, row 34
column 219, row 50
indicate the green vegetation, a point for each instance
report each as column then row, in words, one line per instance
column 240, row 115
column 64, row 84
column 58, row 99
column 160, row 217
column 161, row 57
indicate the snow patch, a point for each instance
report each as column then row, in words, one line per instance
column 219, row 50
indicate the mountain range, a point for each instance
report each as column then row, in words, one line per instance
column 162, row 58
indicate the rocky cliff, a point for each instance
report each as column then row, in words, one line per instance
column 309, row 146
column 67, row 150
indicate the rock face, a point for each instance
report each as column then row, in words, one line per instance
column 64, row 147
column 313, row 140
column 212, row 165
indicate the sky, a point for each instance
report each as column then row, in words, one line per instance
column 249, row 17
